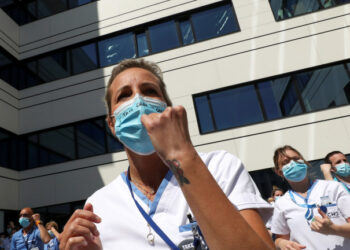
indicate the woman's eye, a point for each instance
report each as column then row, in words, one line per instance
column 150, row 92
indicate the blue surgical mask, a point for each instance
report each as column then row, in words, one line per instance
column 9, row 230
column 277, row 197
column 295, row 171
column 24, row 222
column 52, row 235
column 128, row 126
column 343, row 169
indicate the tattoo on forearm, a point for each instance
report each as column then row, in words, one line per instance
column 174, row 166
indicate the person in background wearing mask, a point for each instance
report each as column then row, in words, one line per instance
column 5, row 241
column 312, row 215
column 11, row 228
column 52, row 229
column 33, row 234
column 336, row 163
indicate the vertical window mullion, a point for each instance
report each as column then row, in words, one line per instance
column 261, row 104
column 193, row 28
column 212, row 113
column 75, row 140
column 97, row 55
column 178, row 32
column 148, row 41
column 300, row 98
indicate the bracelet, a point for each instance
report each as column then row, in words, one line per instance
column 37, row 222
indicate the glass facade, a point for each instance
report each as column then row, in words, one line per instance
column 284, row 9
column 219, row 19
column 266, row 100
column 57, row 145
column 26, row 11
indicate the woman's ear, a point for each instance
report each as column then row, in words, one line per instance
column 110, row 122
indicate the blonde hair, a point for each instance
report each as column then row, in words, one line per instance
column 136, row 63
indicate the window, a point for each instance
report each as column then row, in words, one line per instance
column 187, row 28
column 50, row 7
column 186, row 32
column 84, row 58
column 163, row 36
column 206, row 120
column 115, row 49
column 142, row 44
column 55, row 66
column 26, row 11
column 265, row 100
column 283, row 9
column 235, row 107
column 214, row 22
column 91, row 138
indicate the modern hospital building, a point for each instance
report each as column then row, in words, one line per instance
column 253, row 75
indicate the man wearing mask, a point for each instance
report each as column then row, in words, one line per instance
column 336, row 163
column 33, row 234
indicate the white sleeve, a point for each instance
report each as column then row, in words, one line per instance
column 237, row 184
column 343, row 200
column 279, row 223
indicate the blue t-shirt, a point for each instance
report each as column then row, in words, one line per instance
column 31, row 241
column 52, row 245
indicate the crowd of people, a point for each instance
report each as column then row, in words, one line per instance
column 32, row 234
column 173, row 197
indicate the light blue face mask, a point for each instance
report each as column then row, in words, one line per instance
column 24, row 222
column 52, row 235
column 128, row 127
column 295, row 171
column 343, row 169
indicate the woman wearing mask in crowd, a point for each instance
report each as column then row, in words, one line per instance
column 169, row 188
column 52, row 229
column 312, row 215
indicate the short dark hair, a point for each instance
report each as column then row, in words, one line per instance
column 329, row 155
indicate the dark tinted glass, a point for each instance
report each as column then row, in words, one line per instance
column 115, row 49
column 269, row 97
column 18, row 154
column 286, row 96
column 54, row 67
column 285, row 9
column 113, row 144
column 4, row 153
column 326, row 88
column 163, row 36
column 204, row 114
column 59, row 143
column 75, row 3
column 4, row 60
column 91, row 138
column 236, row 107
column 214, row 22
column 50, row 7
column 142, row 44
column 4, row 3
column 84, row 58
column 186, row 32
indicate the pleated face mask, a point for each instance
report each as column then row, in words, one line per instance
column 128, row 126
column 295, row 171
column 343, row 169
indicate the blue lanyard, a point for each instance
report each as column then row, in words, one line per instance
column 28, row 238
column 149, row 219
column 309, row 212
column 346, row 187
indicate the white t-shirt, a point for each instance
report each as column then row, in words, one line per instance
column 123, row 226
column 289, row 218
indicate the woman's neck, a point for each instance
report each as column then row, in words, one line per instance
column 146, row 172
column 344, row 179
column 300, row 187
